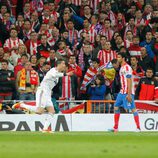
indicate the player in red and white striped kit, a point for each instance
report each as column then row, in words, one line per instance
column 126, row 96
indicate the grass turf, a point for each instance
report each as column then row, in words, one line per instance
column 78, row 145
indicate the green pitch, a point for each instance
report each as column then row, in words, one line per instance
column 78, row 145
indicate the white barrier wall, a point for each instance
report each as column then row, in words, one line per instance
column 77, row 122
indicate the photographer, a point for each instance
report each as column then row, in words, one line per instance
column 97, row 91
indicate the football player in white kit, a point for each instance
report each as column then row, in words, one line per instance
column 44, row 92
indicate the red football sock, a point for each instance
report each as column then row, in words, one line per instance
column 136, row 118
column 116, row 120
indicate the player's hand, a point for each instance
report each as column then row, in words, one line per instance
column 129, row 98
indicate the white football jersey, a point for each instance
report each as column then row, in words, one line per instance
column 51, row 79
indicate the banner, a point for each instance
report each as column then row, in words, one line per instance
column 77, row 122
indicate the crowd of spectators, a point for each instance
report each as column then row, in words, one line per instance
column 86, row 33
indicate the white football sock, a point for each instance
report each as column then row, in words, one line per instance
column 48, row 120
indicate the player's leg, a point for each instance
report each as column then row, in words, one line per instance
column 117, row 105
column 136, row 118
column 131, row 106
column 39, row 98
column 49, row 116
column 116, row 117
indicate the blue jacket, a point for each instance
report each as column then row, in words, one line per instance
column 148, row 47
column 97, row 93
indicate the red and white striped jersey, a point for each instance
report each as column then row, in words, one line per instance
column 126, row 72
column 139, row 22
column 92, row 33
column 106, row 56
column 76, row 2
column 36, row 5
column 94, row 4
column 112, row 17
column 33, row 48
column 108, row 33
column 10, row 43
column 127, row 43
column 66, row 87
column 73, row 36
column 134, row 30
column 54, row 15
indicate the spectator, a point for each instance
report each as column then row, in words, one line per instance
column 148, row 44
column 106, row 54
column 52, row 59
column 129, row 39
column 44, row 48
column 97, row 91
column 148, row 87
column 43, row 70
column 7, row 57
column 25, row 31
column 27, row 82
column 40, row 62
column 33, row 60
column 138, row 72
column 7, row 82
column 35, row 24
column 89, row 30
column 135, row 49
column 12, row 43
column 32, row 44
column 20, row 65
column 16, row 57
column 107, row 30
column 68, row 86
column 145, row 61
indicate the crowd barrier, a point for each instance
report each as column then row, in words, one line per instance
column 82, row 106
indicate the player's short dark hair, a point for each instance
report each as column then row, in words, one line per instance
column 59, row 61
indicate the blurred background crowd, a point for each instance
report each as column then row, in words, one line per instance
column 86, row 33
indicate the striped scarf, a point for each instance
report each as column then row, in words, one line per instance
column 33, row 48
column 66, row 87
column 33, row 79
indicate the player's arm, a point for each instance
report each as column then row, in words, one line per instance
column 129, row 87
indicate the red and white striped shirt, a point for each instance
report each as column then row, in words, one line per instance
column 94, row 4
column 108, row 33
column 106, row 56
column 66, row 87
column 73, row 36
column 91, row 32
column 54, row 15
column 76, row 2
column 10, row 43
column 125, row 72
